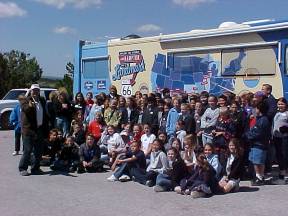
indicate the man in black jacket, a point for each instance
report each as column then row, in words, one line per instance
column 34, row 129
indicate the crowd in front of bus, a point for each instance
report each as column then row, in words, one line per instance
column 193, row 144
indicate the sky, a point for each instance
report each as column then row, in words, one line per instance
column 50, row 29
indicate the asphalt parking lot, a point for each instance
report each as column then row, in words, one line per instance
column 90, row 194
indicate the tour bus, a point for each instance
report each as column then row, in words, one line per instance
column 233, row 57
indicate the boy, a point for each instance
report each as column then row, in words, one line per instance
column 133, row 166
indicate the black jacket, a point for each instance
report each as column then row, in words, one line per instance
column 237, row 168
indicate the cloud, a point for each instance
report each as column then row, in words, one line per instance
column 79, row 4
column 64, row 30
column 10, row 9
column 149, row 28
column 191, row 3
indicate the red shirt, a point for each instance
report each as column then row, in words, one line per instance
column 95, row 128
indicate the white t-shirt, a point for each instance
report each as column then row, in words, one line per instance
column 39, row 113
column 146, row 140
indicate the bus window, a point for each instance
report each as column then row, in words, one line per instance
column 249, row 61
column 94, row 68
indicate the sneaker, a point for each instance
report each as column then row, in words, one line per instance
column 112, row 178
column 197, row 194
column 178, row 190
column 24, row 173
column 257, row 182
column 158, row 188
column 149, row 183
column 124, row 178
column 15, row 153
column 37, row 172
column 72, row 169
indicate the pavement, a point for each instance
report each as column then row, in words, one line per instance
column 61, row 194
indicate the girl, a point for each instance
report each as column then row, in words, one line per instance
column 224, row 129
column 180, row 132
column 62, row 110
column 234, row 168
column 133, row 166
column 79, row 104
column 163, row 137
column 209, row 119
column 97, row 107
column 213, row 159
column 176, row 171
column 89, row 154
column 137, row 133
column 126, row 133
column 89, row 100
column 188, row 155
column 78, row 133
column 158, row 163
column 123, row 112
column 280, row 138
column 259, row 136
column 176, row 144
column 200, row 182
column 96, row 127
column 146, row 140
column 111, row 144
column 68, row 159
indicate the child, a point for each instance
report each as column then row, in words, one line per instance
column 259, row 136
column 52, row 146
column 78, row 133
column 133, row 166
column 147, row 139
column 163, row 119
column 234, row 168
column 209, row 119
column 280, row 138
column 163, row 137
column 137, row 133
column 97, row 107
column 68, row 159
column 200, row 182
column 126, row 133
column 213, row 159
column 158, row 163
column 15, row 121
column 96, row 126
column 180, row 132
column 173, row 117
column 188, row 155
column 176, row 144
column 89, row 154
column 176, row 171
column 112, row 115
column 111, row 144
column 187, row 118
column 224, row 129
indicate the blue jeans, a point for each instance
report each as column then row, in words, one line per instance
column 125, row 169
column 62, row 123
column 164, row 181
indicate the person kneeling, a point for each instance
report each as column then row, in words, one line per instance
column 89, row 154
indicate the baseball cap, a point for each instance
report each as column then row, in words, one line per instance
column 35, row 86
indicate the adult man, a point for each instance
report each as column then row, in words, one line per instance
column 34, row 124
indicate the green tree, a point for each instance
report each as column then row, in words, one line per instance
column 67, row 81
column 18, row 70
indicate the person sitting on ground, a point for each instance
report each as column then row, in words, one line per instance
column 52, row 147
column 213, row 160
column 132, row 166
column 200, row 181
column 188, row 155
column 158, row 163
column 68, row 158
column 234, row 168
column 89, row 154
column 146, row 140
column 176, row 171
column 78, row 133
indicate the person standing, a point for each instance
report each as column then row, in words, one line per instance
column 34, row 123
column 16, row 123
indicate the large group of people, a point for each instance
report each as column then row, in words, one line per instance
column 193, row 144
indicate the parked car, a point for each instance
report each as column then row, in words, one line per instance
column 10, row 100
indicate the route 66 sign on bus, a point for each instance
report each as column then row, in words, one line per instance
column 126, row 89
